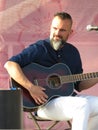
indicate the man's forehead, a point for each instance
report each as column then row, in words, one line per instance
column 59, row 22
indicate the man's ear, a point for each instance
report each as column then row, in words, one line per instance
column 71, row 31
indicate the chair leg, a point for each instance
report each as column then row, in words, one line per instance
column 50, row 127
column 38, row 126
column 53, row 124
column 69, row 123
column 35, row 122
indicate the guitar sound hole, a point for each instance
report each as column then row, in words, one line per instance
column 54, row 81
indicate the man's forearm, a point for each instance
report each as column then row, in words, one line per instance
column 17, row 74
column 87, row 84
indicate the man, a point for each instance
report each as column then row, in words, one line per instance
column 81, row 109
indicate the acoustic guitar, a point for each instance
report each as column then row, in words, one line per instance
column 57, row 80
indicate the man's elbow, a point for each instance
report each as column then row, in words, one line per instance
column 8, row 65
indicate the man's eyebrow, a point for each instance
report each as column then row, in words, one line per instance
column 62, row 29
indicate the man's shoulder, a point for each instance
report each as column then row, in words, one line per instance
column 70, row 45
column 41, row 42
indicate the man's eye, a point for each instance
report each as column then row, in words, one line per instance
column 55, row 28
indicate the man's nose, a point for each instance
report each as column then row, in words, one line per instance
column 57, row 32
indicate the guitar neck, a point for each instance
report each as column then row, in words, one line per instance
column 78, row 77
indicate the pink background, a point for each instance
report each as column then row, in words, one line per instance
column 23, row 22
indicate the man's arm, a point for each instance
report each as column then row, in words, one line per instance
column 87, row 84
column 15, row 72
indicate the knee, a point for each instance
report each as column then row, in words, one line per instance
column 84, row 104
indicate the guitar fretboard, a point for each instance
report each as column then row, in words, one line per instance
column 78, row 77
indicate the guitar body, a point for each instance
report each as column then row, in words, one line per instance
column 47, row 77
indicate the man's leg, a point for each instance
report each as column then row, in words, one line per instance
column 93, row 119
column 66, row 108
column 93, row 123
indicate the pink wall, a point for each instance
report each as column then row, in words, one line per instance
column 24, row 21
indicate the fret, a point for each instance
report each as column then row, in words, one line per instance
column 95, row 75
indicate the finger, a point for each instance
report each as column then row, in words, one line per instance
column 42, row 100
column 45, row 95
column 42, row 93
column 42, row 88
column 38, row 102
